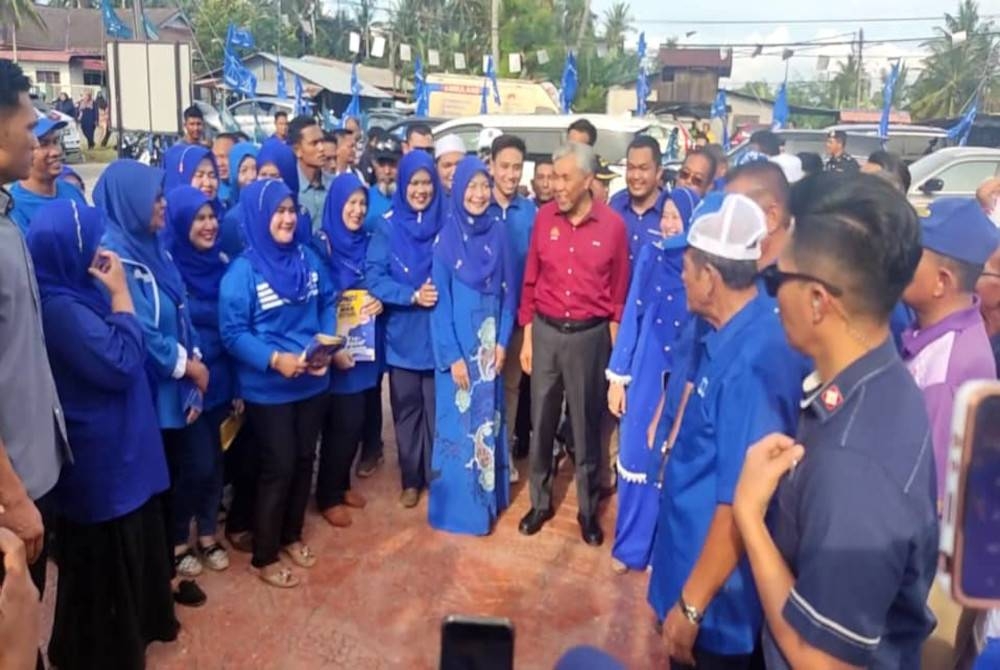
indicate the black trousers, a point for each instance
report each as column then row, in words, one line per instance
column 412, row 396
column 88, row 134
column 242, row 465
column 286, row 439
column 708, row 661
column 344, row 427
column 572, row 364
column 522, row 427
column 371, row 441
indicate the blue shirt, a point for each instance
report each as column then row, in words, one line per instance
column 313, row 196
column 254, row 324
column 98, row 365
column 856, row 522
column 26, row 202
column 747, row 384
column 222, row 378
column 378, row 205
column 519, row 219
column 641, row 228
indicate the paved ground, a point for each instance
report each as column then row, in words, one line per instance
column 89, row 172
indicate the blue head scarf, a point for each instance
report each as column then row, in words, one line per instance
column 283, row 266
column 348, row 246
column 62, row 241
column 126, row 192
column 412, row 240
column 181, row 163
column 474, row 247
column 685, row 200
column 239, row 153
column 202, row 270
column 280, row 155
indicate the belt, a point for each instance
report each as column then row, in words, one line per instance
column 571, row 325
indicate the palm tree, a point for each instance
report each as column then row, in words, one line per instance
column 15, row 12
column 844, row 84
column 957, row 69
column 618, row 22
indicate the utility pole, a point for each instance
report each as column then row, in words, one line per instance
column 495, row 32
column 861, row 64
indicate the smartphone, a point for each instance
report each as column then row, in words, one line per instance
column 102, row 263
column 477, row 643
column 970, row 525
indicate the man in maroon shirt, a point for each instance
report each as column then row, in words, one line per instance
column 575, row 284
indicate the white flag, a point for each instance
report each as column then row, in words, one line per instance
column 404, row 53
column 514, row 63
column 378, row 47
column 543, row 56
column 433, row 58
column 354, row 44
column 459, row 61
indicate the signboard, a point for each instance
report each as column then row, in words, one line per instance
column 149, row 85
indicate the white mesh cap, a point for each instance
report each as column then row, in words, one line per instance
column 733, row 231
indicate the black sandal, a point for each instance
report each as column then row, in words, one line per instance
column 189, row 594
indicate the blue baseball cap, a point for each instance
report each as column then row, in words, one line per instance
column 710, row 203
column 588, row 658
column 958, row 228
column 47, row 125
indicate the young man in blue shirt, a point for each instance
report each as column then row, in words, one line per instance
column 43, row 184
column 845, row 566
column 746, row 384
column 639, row 205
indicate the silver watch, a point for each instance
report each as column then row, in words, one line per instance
column 690, row 612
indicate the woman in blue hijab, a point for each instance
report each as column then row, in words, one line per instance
column 655, row 313
column 114, row 594
column 191, row 165
column 192, row 237
column 242, row 170
column 471, row 325
column 398, row 270
column 274, row 300
column 343, row 242
column 131, row 197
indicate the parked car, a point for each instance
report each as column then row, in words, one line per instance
column 70, row 135
column 954, row 171
column 907, row 141
column 400, row 128
column 814, row 141
column 255, row 116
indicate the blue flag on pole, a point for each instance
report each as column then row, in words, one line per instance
column 887, row 94
column 149, row 28
column 236, row 76
column 282, row 86
column 298, row 95
column 239, row 37
column 484, row 107
column 354, row 108
column 642, row 81
column 780, row 114
column 113, row 26
column 720, row 110
column 491, row 75
column 570, row 83
column 420, row 93
column 960, row 131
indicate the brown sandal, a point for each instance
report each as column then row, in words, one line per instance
column 281, row 579
column 302, row 556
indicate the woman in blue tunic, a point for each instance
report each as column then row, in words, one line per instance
column 114, row 594
column 398, row 270
column 471, row 326
column 655, row 312
column 192, row 237
column 191, row 165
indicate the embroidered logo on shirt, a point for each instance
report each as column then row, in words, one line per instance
column 832, row 398
column 703, row 387
column 596, row 243
column 554, row 234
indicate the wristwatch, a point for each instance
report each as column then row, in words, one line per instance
column 690, row 612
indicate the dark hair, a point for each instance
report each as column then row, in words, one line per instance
column 864, row 230
column 232, row 137
column 543, row 160
column 712, row 165
column 736, row 275
column 586, row 127
column 193, row 112
column 767, row 141
column 812, row 163
column 13, row 82
column 894, row 166
column 966, row 273
column 417, row 129
column 281, row 114
column 297, row 126
column 718, row 153
column 329, row 136
column 647, row 142
column 507, row 142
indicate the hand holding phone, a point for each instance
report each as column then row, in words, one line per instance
column 477, row 643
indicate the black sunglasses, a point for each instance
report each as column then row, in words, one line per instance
column 773, row 279
column 984, row 273
column 687, row 175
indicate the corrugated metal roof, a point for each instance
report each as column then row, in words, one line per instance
column 81, row 30
column 326, row 77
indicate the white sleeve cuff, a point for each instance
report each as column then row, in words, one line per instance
column 182, row 360
column 624, row 380
column 197, row 354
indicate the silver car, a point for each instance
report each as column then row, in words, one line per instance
column 255, row 116
column 955, row 171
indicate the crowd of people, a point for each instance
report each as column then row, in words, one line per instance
column 760, row 364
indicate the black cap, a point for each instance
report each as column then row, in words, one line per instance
column 604, row 172
column 838, row 135
column 387, row 148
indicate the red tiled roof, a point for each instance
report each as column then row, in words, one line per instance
column 872, row 116
column 696, row 58
column 39, row 56
column 81, row 30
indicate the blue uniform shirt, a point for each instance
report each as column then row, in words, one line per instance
column 378, row 205
column 641, row 228
column 856, row 522
column 747, row 383
column 26, row 202
column 519, row 220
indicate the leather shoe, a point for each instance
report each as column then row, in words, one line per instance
column 533, row 521
column 590, row 531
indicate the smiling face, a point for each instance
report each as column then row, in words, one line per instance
column 204, row 229
column 507, row 168
column 283, row 222
column 670, row 221
column 46, row 159
column 248, row 172
column 642, row 173
column 205, row 179
column 477, row 195
column 420, row 191
column 570, row 183
column 354, row 211
column 446, row 165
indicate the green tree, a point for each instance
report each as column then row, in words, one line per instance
column 618, row 23
column 956, row 69
column 758, row 89
column 16, row 12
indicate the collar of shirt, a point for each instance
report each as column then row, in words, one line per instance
column 517, row 202
column 715, row 341
column 306, row 184
column 915, row 340
column 591, row 216
column 825, row 400
column 621, row 202
column 6, row 201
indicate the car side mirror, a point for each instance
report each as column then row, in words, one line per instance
column 932, row 186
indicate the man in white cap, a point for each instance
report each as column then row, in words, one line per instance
column 701, row 586
column 448, row 151
column 484, row 147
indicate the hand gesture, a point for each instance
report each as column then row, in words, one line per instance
column 460, row 374
column 427, row 296
column 196, row 371
column 616, row 399
column 763, row 467
column 108, row 270
column 22, row 518
column 20, row 618
column 288, row 365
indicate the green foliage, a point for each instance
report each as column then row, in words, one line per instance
column 16, row 12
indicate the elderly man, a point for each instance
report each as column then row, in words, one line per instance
column 448, row 152
column 575, row 284
column 747, row 383
column 385, row 156
column 43, row 185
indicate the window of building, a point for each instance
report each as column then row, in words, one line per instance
column 93, row 78
column 47, row 76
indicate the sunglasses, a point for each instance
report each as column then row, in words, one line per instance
column 773, row 279
column 996, row 275
column 688, row 176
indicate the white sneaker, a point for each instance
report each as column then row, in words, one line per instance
column 215, row 557
column 187, row 564
column 515, row 476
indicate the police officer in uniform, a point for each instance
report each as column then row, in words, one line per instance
column 836, row 148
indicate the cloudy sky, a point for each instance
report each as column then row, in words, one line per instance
column 661, row 23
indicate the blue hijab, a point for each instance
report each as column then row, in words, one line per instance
column 348, row 247
column 62, row 241
column 283, row 266
column 126, row 192
column 239, row 153
column 279, row 154
column 202, row 270
column 685, row 200
column 181, row 163
column 474, row 247
column 413, row 232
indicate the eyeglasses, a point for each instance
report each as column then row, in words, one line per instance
column 984, row 273
column 773, row 279
column 688, row 176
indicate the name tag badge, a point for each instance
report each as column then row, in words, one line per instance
column 703, row 387
column 554, row 234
